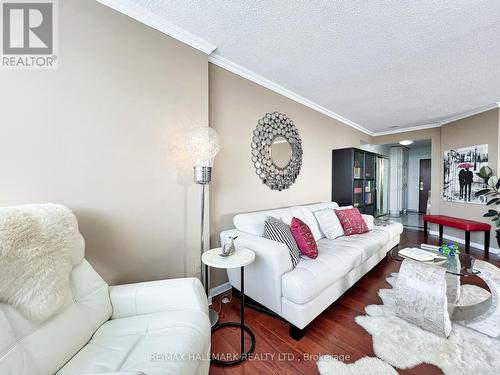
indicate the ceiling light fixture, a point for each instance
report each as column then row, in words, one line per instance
column 406, row 142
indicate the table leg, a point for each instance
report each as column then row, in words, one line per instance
column 205, row 276
column 440, row 234
column 242, row 312
column 241, row 324
column 467, row 242
column 487, row 244
column 425, row 229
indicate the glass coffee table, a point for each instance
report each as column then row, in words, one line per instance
column 417, row 282
column 460, row 265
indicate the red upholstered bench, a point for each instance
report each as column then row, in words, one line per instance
column 463, row 224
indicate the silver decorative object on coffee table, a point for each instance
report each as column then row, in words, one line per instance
column 427, row 292
column 421, row 297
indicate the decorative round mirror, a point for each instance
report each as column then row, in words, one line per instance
column 276, row 151
column 281, row 152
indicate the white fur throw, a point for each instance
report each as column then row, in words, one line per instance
column 39, row 246
column 366, row 365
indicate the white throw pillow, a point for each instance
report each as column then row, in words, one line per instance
column 329, row 223
column 344, row 207
column 369, row 220
column 310, row 219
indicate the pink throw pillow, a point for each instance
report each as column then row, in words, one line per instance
column 304, row 238
column 352, row 221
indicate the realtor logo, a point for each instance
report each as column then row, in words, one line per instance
column 29, row 34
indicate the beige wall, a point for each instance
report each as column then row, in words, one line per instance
column 478, row 129
column 236, row 105
column 474, row 130
column 104, row 135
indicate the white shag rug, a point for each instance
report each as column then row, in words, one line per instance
column 39, row 246
column 327, row 365
column 466, row 351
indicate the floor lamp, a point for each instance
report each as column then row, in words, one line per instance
column 204, row 144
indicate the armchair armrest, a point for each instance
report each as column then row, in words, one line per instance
column 156, row 296
column 369, row 220
column 263, row 276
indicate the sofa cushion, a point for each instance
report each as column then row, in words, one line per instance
column 369, row 243
column 276, row 230
column 335, row 259
column 171, row 342
column 312, row 276
column 392, row 228
column 304, row 238
column 352, row 221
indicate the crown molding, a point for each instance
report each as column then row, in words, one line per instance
column 410, row 129
column 447, row 120
column 469, row 113
column 245, row 73
column 158, row 23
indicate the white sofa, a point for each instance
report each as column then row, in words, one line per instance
column 152, row 328
column 300, row 294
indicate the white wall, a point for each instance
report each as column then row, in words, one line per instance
column 414, row 156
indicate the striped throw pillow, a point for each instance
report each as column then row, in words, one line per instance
column 276, row 230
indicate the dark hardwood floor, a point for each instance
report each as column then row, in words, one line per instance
column 334, row 332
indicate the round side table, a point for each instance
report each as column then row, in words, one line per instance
column 241, row 258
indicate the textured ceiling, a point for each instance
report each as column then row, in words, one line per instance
column 379, row 64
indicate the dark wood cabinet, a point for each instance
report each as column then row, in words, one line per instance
column 354, row 179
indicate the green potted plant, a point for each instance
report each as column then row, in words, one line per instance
column 492, row 192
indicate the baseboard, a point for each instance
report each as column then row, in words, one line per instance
column 219, row 289
column 475, row 245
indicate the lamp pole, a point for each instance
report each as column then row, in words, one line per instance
column 204, row 144
column 203, row 176
column 203, row 270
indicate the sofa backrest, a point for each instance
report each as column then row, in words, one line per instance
column 253, row 222
column 28, row 348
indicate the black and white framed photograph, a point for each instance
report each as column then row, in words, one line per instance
column 459, row 174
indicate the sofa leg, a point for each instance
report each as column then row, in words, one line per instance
column 295, row 332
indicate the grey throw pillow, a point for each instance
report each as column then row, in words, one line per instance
column 276, row 230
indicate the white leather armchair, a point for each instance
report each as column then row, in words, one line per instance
column 158, row 327
column 151, row 328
